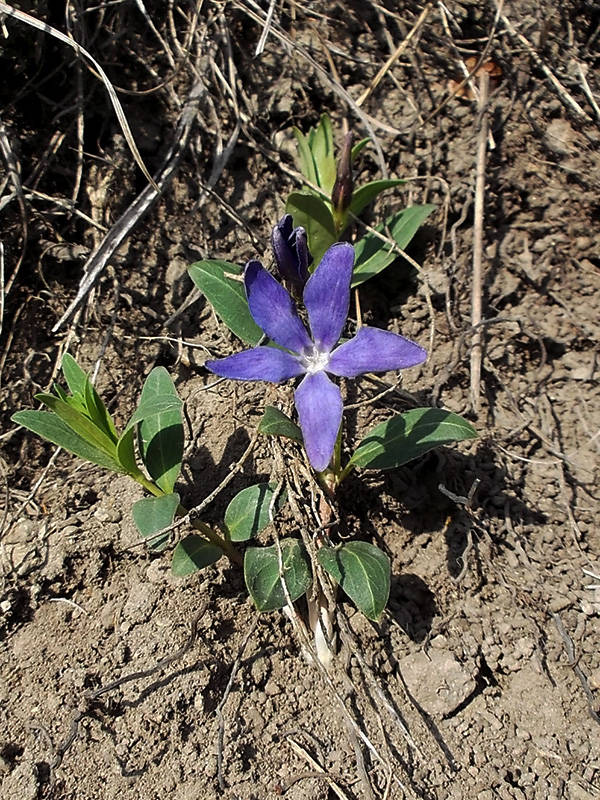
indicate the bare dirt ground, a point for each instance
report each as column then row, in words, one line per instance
column 483, row 678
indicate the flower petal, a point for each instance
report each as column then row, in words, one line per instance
column 327, row 295
column 319, row 405
column 257, row 364
column 375, row 350
column 273, row 309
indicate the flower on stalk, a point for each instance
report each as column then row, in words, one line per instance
column 327, row 299
column 341, row 194
column 290, row 247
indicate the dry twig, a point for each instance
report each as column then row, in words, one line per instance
column 21, row 16
column 131, row 217
column 395, row 55
column 477, row 284
column 226, row 693
column 564, row 95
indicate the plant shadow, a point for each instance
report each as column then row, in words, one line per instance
column 443, row 491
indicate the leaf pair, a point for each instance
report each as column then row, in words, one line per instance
column 360, row 568
column 247, row 515
column 79, row 422
column 390, row 444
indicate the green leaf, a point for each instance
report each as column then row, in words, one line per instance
column 152, row 514
column 320, row 140
column 261, row 573
column 373, row 255
column 369, row 191
column 74, row 375
column 151, row 407
column 60, row 392
column 363, row 572
column 98, row 412
column 358, row 147
column 76, row 401
column 275, row 423
column 79, row 423
column 161, row 435
column 125, row 452
column 314, row 216
column 410, row 435
column 305, row 157
column 194, row 553
column 248, row 512
column 227, row 297
column 50, row 427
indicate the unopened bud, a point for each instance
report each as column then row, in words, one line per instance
column 290, row 248
column 341, row 194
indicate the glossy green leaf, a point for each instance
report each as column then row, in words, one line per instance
column 98, row 412
column 152, row 406
column 410, row 435
column 74, row 376
column 55, row 430
column 78, row 422
column 248, row 512
column 369, row 191
column 363, row 572
column 161, row 435
column 194, row 553
column 275, row 423
column 261, row 573
column 320, row 140
column 358, row 147
column 373, row 255
column 220, row 282
column 315, row 217
column 305, row 157
column 60, row 392
column 125, row 452
column 153, row 514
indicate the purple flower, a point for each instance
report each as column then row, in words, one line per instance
column 290, row 248
column 327, row 299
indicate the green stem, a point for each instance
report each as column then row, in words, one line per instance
column 150, row 486
column 337, row 455
column 331, row 477
column 213, row 537
column 345, row 472
column 209, row 533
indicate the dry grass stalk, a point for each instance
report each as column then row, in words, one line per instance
column 81, row 51
column 477, row 279
column 138, row 208
column 395, row 55
column 562, row 92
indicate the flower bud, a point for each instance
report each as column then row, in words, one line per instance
column 290, row 248
column 341, row 194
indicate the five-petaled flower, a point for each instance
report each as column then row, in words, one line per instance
column 327, row 299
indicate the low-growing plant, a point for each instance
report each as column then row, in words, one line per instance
column 360, row 568
column 286, row 343
column 149, row 450
column 329, row 203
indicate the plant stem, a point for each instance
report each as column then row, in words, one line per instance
column 345, row 472
column 209, row 533
column 150, row 486
column 213, row 537
column 337, row 454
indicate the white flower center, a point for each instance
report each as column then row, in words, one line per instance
column 315, row 361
